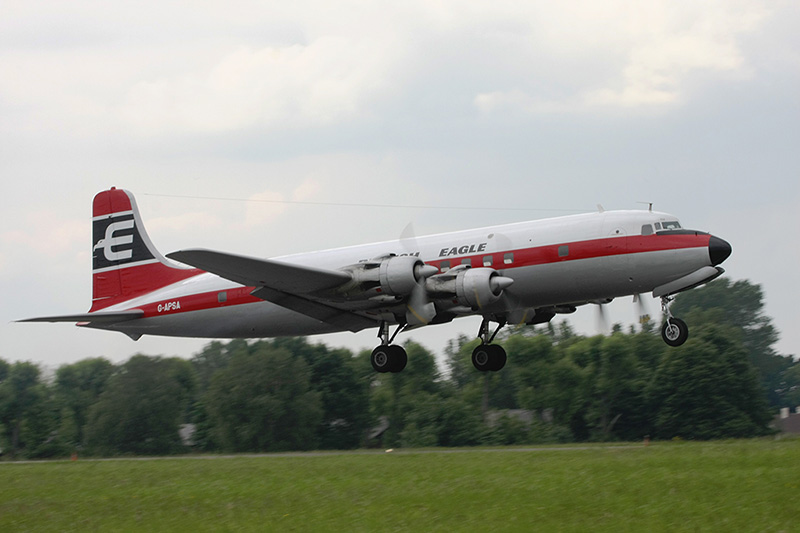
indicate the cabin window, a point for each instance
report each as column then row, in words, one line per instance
column 467, row 262
column 222, row 297
column 508, row 258
column 487, row 261
column 647, row 229
column 563, row 250
column 444, row 266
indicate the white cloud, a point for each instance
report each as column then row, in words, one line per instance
column 264, row 207
column 306, row 191
column 44, row 239
column 192, row 220
column 275, row 87
column 305, row 65
column 647, row 52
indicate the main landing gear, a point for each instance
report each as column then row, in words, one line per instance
column 674, row 331
column 487, row 356
column 388, row 357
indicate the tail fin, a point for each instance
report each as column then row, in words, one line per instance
column 125, row 264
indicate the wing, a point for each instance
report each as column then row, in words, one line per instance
column 253, row 272
column 97, row 318
column 288, row 285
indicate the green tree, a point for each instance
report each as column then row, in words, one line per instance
column 412, row 400
column 21, row 394
column 213, row 357
column 533, row 359
column 740, row 304
column 792, row 379
column 141, row 408
column 707, row 389
column 77, row 387
column 616, row 393
column 344, row 396
column 263, row 402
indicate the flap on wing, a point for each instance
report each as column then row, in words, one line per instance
column 97, row 318
column 284, row 277
column 322, row 312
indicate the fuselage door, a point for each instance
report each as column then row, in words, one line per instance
column 617, row 270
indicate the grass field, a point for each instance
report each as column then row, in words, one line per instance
column 721, row 486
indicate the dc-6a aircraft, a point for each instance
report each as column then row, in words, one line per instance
column 523, row 273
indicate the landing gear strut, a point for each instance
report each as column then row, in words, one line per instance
column 487, row 356
column 674, row 331
column 388, row 357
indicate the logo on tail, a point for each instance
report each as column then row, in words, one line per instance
column 125, row 264
column 117, row 242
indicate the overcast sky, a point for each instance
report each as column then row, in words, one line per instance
column 517, row 110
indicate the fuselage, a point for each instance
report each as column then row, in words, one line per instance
column 555, row 264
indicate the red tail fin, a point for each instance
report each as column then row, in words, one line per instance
column 125, row 264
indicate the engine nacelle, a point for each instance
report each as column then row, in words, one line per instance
column 386, row 276
column 470, row 287
column 400, row 274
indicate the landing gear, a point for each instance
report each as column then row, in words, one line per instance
column 487, row 356
column 388, row 357
column 674, row 331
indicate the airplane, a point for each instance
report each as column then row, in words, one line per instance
column 520, row 273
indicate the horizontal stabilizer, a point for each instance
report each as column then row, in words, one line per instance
column 97, row 318
column 284, row 277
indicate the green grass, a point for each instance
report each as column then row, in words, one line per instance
column 721, row 486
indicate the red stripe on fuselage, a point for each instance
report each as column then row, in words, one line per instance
column 591, row 249
column 200, row 301
column 524, row 257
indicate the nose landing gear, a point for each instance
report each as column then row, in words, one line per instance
column 674, row 331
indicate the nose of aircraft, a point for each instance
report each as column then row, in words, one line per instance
column 718, row 250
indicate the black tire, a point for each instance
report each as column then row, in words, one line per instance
column 482, row 358
column 498, row 357
column 381, row 358
column 399, row 358
column 674, row 331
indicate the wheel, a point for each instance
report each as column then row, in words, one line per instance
column 498, row 357
column 675, row 331
column 398, row 358
column 381, row 358
column 482, row 357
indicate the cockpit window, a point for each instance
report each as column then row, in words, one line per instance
column 672, row 224
column 647, row 229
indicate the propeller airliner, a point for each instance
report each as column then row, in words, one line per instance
column 522, row 273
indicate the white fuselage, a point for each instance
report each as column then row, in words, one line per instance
column 555, row 264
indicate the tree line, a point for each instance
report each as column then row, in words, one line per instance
column 291, row 394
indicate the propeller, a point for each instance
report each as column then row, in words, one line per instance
column 420, row 310
column 641, row 310
column 408, row 239
column 601, row 321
